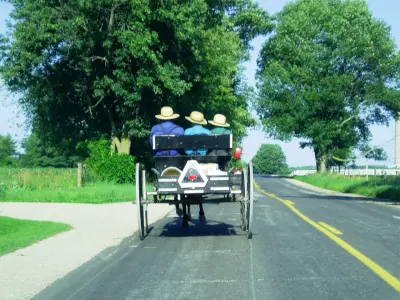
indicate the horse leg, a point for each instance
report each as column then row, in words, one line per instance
column 185, row 220
column 177, row 209
column 189, row 214
column 202, row 217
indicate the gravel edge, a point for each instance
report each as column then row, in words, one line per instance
column 95, row 228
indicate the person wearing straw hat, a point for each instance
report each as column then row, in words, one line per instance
column 220, row 124
column 165, row 127
column 198, row 119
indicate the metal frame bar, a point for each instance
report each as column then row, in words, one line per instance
column 197, row 201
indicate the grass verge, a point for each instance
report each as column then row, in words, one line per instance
column 376, row 187
column 59, row 185
column 94, row 193
column 16, row 233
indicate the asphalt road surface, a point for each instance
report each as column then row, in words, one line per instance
column 291, row 255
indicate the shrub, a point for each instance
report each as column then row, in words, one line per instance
column 110, row 166
column 3, row 190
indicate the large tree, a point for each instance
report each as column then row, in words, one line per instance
column 328, row 72
column 40, row 154
column 270, row 159
column 85, row 68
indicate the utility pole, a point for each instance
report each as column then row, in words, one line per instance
column 397, row 144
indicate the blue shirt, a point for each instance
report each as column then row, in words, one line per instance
column 197, row 130
column 165, row 128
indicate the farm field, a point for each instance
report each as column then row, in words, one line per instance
column 58, row 185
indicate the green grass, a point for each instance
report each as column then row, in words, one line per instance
column 376, row 187
column 16, row 234
column 59, row 185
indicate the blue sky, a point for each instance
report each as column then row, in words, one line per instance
column 12, row 120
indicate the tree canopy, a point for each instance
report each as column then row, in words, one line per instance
column 270, row 159
column 39, row 154
column 89, row 68
column 329, row 71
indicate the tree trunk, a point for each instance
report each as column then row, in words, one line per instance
column 121, row 146
column 321, row 160
column 322, row 164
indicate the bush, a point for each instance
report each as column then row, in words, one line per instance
column 109, row 166
column 3, row 190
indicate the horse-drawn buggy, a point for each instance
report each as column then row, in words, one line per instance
column 196, row 179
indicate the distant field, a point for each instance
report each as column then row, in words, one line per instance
column 58, row 185
column 16, row 234
column 376, row 187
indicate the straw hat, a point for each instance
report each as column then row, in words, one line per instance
column 197, row 118
column 167, row 114
column 219, row 120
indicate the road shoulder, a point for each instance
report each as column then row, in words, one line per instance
column 95, row 228
column 315, row 189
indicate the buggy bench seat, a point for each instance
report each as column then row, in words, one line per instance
column 211, row 142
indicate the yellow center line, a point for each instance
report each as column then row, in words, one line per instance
column 377, row 269
column 331, row 228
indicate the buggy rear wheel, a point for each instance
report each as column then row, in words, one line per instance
column 250, row 203
column 243, row 202
column 144, row 197
column 139, row 205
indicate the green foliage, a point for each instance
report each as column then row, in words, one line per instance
column 88, row 68
column 270, row 159
column 3, row 190
column 374, row 153
column 237, row 163
column 37, row 179
column 7, row 150
column 328, row 72
column 109, row 166
column 40, row 154
column 58, row 185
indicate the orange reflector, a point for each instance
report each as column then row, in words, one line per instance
column 192, row 177
column 237, row 153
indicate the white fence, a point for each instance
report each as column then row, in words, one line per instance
column 302, row 172
column 353, row 172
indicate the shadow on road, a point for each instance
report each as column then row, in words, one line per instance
column 196, row 228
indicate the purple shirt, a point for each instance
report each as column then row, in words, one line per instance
column 165, row 128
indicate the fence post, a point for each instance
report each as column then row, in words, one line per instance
column 79, row 174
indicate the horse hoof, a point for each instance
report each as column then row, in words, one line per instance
column 185, row 221
column 202, row 218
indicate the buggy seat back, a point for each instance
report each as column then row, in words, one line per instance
column 219, row 149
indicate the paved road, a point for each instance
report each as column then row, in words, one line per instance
column 287, row 258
